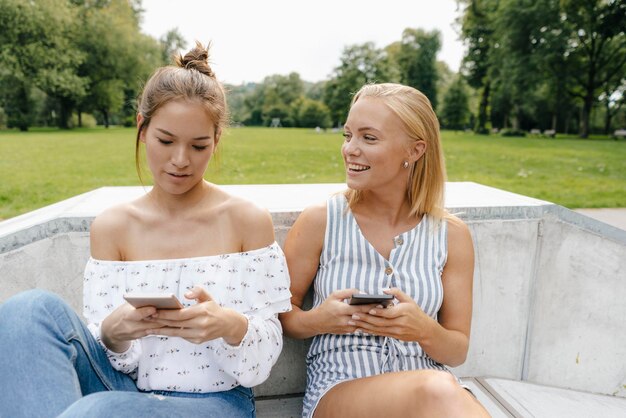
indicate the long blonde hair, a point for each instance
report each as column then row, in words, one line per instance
column 427, row 176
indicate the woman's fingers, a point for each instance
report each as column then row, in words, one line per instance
column 198, row 293
column 343, row 294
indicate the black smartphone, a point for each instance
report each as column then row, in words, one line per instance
column 363, row 299
column 158, row 300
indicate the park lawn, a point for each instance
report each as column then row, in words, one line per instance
column 45, row 166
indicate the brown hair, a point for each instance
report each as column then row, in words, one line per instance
column 191, row 79
column 427, row 175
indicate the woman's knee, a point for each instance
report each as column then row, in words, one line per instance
column 24, row 311
column 104, row 405
column 30, row 300
column 438, row 393
column 434, row 386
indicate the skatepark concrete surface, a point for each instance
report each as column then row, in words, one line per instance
column 612, row 216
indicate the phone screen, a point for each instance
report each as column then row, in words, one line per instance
column 158, row 300
column 362, row 299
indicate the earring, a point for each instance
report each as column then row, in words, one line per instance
column 405, row 164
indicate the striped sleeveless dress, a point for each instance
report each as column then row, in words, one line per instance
column 348, row 260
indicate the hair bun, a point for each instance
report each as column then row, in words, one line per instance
column 196, row 59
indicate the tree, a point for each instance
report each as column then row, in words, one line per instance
column 85, row 55
column 417, row 61
column 171, row 43
column 360, row 64
column 313, row 113
column 596, row 48
column 477, row 28
column 37, row 49
column 274, row 98
column 280, row 95
column 613, row 98
column 455, row 113
column 16, row 99
column 445, row 78
column 117, row 55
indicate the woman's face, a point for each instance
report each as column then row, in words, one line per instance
column 180, row 141
column 375, row 147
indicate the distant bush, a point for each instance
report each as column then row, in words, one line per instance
column 87, row 119
column 129, row 121
column 313, row 113
column 512, row 132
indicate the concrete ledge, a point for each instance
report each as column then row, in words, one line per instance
column 285, row 201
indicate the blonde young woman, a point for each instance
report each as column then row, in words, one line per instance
column 186, row 236
column 388, row 233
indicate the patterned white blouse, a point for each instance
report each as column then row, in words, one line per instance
column 255, row 283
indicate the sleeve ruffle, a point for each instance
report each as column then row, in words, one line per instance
column 260, row 286
column 125, row 362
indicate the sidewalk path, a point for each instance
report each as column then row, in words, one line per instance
column 613, row 216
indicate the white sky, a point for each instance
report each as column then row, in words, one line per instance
column 253, row 39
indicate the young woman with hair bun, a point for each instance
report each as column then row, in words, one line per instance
column 185, row 236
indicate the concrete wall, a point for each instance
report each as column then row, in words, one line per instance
column 549, row 284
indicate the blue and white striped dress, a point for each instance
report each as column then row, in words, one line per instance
column 348, row 260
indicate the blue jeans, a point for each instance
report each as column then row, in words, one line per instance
column 51, row 366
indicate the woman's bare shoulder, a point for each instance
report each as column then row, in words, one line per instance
column 311, row 224
column 459, row 235
column 110, row 229
column 456, row 225
column 314, row 215
column 113, row 218
column 251, row 222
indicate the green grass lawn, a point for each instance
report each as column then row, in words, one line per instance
column 41, row 167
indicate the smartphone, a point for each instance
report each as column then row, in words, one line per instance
column 362, row 299
column 158, row 300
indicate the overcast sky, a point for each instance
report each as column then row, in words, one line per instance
column 253, row 39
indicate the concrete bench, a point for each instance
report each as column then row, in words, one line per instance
column 535, row 131
column 549, row 287
column 620, row 133
column 551, row 133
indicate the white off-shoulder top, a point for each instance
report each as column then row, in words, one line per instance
column 255, row 283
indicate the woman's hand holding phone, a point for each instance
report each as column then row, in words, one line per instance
column 363, row 299
column 125, row 324
column 404, row 321
column 204, row 321
column 334, row 315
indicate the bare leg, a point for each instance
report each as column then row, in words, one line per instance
column 415, row 394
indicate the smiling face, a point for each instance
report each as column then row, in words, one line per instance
column 180, row 141
column 376, row 147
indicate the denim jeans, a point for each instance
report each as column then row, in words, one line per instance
column 51, row 366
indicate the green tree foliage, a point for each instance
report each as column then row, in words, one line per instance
column 295, row 102
column 312, row 114
column 18, row 103
column 85, row 55
column 171, row 44
column 445, row 78
column 596, row 48
column 281, row 94
column 117, row 55
column 417, row 61
column 534, row 57
column 477, row 30
column 37, row 50
column 455, row 112
column 360, row 64
column 515, row 77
